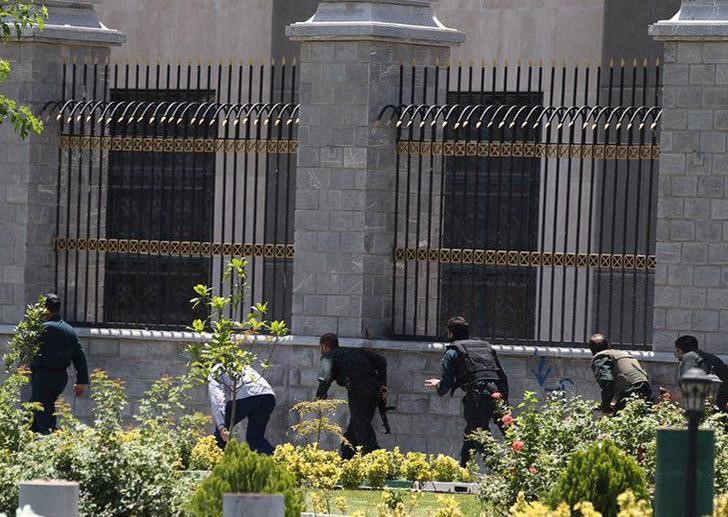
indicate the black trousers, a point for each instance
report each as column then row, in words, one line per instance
column 478, row 409
column 257, row 410
column 363, row 400
column 46, row 386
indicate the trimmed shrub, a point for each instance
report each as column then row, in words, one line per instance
column 599, row 475
column 205, row 454
column 244, row 471
column 415, row 467
column 445, row 468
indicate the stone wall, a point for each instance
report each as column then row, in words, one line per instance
column 423, row 421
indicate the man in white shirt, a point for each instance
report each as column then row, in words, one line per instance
column 255, row 401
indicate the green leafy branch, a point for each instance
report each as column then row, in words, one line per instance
column 16, row 18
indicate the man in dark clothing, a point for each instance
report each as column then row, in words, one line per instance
column 687, row 352
column 364, row 374
column 473, row 366
column 59, row 347
column 618, row 374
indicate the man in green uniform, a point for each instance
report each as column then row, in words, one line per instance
column 59, row 347
column 364, row 375
column 473, row 366
column 687, row 352
column 618, row 374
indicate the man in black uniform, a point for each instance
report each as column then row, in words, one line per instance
column 687, row 352
column 59, row 347
column 364, row 374
column 473, row 366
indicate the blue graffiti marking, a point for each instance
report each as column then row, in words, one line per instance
column 543, row 372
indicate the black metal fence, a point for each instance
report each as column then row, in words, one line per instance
column 165, row 173
column 526, row 201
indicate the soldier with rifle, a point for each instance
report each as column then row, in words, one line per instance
column 473, row 366
column 364, row 374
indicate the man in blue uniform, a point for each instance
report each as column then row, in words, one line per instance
column 364, row 374
column 473, row 366
column 59, row 347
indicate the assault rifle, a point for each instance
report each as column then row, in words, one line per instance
column 383, row 408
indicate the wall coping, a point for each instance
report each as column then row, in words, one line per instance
column 379, row 344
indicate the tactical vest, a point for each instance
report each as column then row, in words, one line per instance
column 712, row 364
column 627, row 371
column 351, row 365
column 474, row 367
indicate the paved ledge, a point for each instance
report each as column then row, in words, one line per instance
column 381, row 344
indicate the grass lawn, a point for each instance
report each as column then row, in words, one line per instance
column 427, row 504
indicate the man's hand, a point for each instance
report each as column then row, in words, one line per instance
column 383, row 391
column 224, row 434
column 432, row 383
column 79, row 389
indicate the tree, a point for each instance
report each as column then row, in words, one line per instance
column 223, row 351
column 17, row 17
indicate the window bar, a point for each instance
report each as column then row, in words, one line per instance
column 511, row 234
column 443, row 173
column 544, row 204
column 236, row 136
column 258, row 135
column 602, row 200
column 577, row 250
column 290, row 200
column 612, row 247
column 79, row 198
column 649, row 246
column 264, row 261
column 246, row 161
column 405, row 292
column 276, row 309
column 418, row 223
column 398, row 160
column 567, row 210
column 214, row 131
column 489, row 237
column 430, row 204
column 89, row 188
column 533, row 178
column 627, row 209
column 557, row 181
column 60, row 176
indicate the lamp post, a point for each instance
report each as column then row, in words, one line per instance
column 696, row 386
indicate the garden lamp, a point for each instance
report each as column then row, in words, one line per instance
column 696, row 386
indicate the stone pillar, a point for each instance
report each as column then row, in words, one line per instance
column 691, row 283
column 28, row 175
column 50, row 497
column 351, row 53
column 253, row 505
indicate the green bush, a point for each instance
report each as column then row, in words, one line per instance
column 353, row 472
column 244, row 471
column 445, row 468
column 599, row 475
column 205, row 454
column 416, row 468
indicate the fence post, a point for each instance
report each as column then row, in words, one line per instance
column 691, row 293
column 28, row 177
column 253, row 505
column 57, row 498
column 351, row 52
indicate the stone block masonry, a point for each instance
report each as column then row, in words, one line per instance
column 691, row 288
column 423, row 421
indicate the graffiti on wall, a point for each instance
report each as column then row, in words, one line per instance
column 545, row 379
